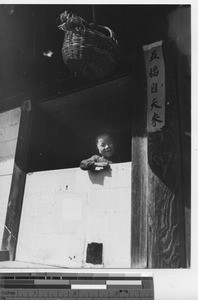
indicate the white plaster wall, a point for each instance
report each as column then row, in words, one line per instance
column 64, row 210
column 9, row 127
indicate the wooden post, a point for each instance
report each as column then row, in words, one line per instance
column 15, row 201
column 158, row 219
column 139, row 173
column 139, row 203
column 166, row 219
column 166, row 233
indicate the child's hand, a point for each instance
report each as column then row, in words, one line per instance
column 101, row 165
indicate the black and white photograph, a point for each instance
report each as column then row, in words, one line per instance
column 95, row 136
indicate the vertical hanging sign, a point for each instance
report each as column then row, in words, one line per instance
column 155, row 74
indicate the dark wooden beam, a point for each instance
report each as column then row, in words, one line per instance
column 62, row 87
column 11, row 102
column 15, row 201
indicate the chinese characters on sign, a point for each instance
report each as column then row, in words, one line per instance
column 155, row 74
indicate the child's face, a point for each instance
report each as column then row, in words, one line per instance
column 105, row 146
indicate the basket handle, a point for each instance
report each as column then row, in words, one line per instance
column 111, row 33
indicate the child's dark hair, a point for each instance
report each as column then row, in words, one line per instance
column 102, row 135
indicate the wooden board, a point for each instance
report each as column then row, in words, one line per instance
column 5, row 183
column 166, row 207
column 18, row 182
column 9, row 126
column 139, row 203
column 158, row 206
column 65, row 211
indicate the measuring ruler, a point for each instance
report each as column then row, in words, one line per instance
column 75, row 286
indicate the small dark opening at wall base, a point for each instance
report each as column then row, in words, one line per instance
column 94, row 253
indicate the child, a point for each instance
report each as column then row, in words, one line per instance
column 106, row 149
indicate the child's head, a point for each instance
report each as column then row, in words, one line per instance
column 105, row 145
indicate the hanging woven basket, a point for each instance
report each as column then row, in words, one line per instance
column 89, row 51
